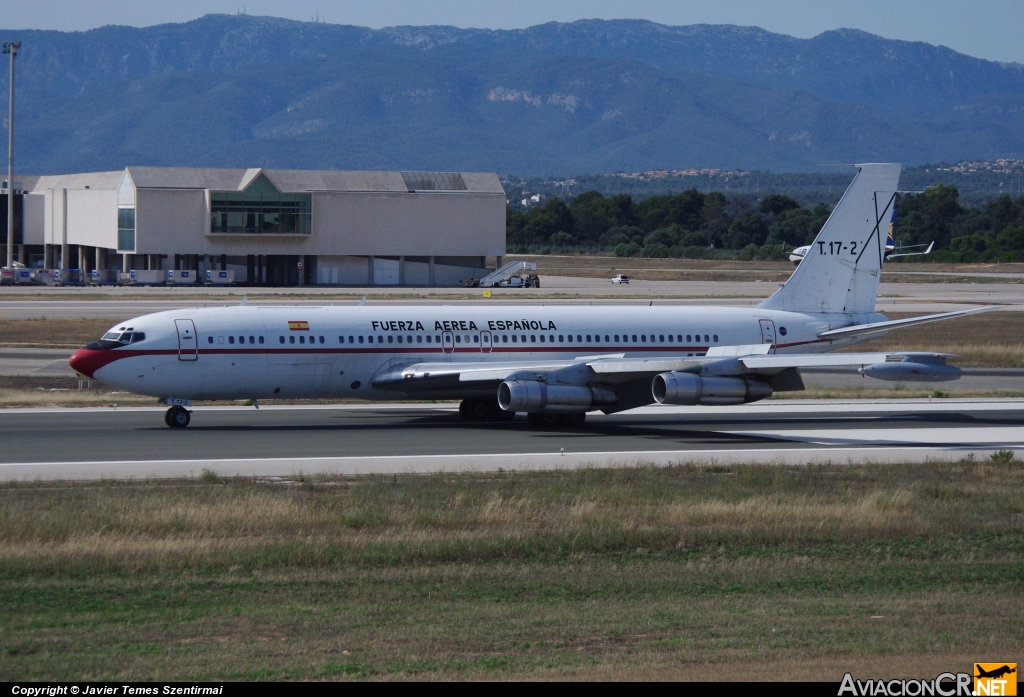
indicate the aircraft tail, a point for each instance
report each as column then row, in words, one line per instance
column 841, row 270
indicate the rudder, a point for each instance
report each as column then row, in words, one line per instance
column 841, row 270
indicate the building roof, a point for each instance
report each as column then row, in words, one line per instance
column 286, row 180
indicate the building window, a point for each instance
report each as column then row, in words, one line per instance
column 126, row 229
column 260, row 213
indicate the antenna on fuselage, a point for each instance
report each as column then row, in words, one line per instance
column 363, row 301
column 244, row 298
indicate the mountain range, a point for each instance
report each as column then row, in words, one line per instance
column 588, row 96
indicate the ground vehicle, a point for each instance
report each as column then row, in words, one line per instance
column 620, row 278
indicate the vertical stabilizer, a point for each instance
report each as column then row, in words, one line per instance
column 841, row 270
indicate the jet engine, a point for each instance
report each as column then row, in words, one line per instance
column 533, row 396
column 687, row 388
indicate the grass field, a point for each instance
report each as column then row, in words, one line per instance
column 705, row 573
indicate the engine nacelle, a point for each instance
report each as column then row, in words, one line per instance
column 533, row 396
column 687, row 388
column 911, row 371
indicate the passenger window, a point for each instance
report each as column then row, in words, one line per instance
column 670, row 338
column 360, row 339
column 715, row 337
column 513, row 338
column 291, row 339
column 408, row 339
column 437, row 339
column 634, row 337
column 209, row 339
column 399, row 338
column 706, row 338
column 616, row 338
column 391, row 339
column 570, row 337
column 351, row 340
column 504, row 338
column 321, row 340
column 261, row 339
column 428, row 338
column 561, row 339
column 252, row 340
column 341, row 340
column 523, row 337
column 579, row 338
column 380, row 340
column 533, row 338
column 542, row 338
column 643, row 338
column 458, row 338
column 688, row 338
column 220, row 340
column 419, row 339
column 302, row 339
column 281, row 338
column 679, row 338
column 607, row 338
column 588, row 338
column 231, row 339
column 551, row 339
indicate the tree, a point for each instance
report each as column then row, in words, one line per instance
column 777, row 204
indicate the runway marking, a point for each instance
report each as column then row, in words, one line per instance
column 1005, row 436
column 487, row 462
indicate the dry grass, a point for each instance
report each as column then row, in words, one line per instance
column 992, row 339
column 639, row 573
column 52, row 333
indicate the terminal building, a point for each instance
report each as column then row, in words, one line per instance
column 270, row 226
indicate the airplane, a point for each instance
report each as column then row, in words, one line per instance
column 891, row 250
column 555, row 363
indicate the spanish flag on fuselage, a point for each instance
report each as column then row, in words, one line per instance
column 298, row 326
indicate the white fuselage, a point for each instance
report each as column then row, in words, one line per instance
column 335, row 352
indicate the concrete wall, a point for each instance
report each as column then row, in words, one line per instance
column 172, row 221
column 420, row 224
column 92, row 218
column 35, row 219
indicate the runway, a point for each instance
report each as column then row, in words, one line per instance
column 122, row 303
column 283, row 441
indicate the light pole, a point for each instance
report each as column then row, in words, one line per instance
column 10, row 47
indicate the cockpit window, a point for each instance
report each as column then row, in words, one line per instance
column 117, row 338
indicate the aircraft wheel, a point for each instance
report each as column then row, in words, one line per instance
column 464, row 410
column 479, row 410
column 177, row 417
column 543, row 418
column 496, row 413
column 574, row 419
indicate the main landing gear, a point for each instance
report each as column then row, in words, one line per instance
column 548, row 419
column 483, row 410
column 480, row 410
column 177, row 417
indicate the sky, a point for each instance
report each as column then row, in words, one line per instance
column 983, row 28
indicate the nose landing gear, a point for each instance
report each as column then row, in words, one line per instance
column 177, row 417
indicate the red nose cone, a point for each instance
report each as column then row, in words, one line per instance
column 87, row 361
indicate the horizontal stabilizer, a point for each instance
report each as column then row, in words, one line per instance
column 882, row 327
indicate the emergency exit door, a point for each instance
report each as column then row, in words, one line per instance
column 485, row 342
column 767, row 332
column 188, row 345
column 448, row 342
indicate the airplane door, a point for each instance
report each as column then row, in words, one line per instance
column 767, row 331
column 448, row 342
column 188, row 347
column 485, row 342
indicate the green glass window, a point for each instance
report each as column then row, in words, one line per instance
column 255, row 213
column 126, row 229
